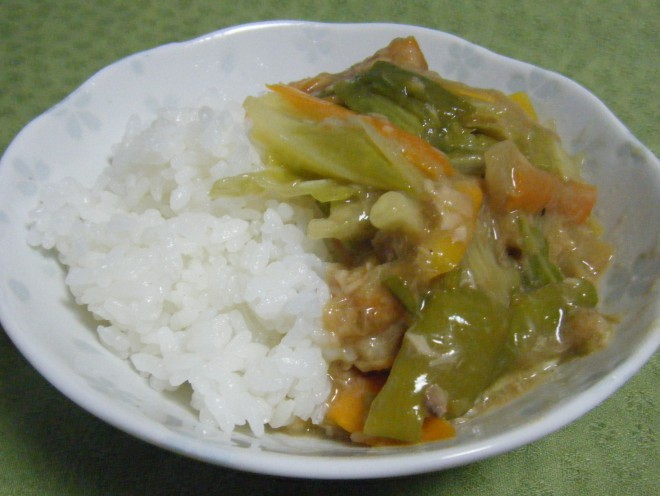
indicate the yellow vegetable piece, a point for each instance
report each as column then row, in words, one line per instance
column 459, row 203
column 440, row 253
column 522, row 99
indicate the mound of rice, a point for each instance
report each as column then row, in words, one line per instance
column 225, row 295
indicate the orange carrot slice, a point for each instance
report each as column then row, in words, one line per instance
column 436, row 429
column 350, row 406
column 515, row 184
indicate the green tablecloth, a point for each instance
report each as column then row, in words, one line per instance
column 48, row 445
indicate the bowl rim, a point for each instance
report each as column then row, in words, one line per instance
column 390, row 462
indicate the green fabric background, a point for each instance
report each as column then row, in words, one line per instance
column 49, row 446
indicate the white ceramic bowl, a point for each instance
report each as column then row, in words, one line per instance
column 75, row 138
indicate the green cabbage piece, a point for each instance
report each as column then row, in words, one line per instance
column 283, row 184
column 346, row 150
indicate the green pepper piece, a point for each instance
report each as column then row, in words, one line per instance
column 454, row 345
column 536, row 319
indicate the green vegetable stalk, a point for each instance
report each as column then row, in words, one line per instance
column 537, row 268
column 417, row 104
column 283, row 184
column 407, row 99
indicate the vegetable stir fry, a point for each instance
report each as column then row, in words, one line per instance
column 464, row 249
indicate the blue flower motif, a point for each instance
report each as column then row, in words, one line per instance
column 29, row 175
column 630, row 282
column 631, row 155
column 137, row 67
column 173, row 422
column 76, row 117
column 314, row 45
column 536, row 84
column 228, row 62
column 19, row 289
column 110, row 389
column 156, row 105
column 463, row 60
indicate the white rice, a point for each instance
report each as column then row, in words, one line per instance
column 225, row 295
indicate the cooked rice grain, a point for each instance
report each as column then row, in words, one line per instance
column 224, row 295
